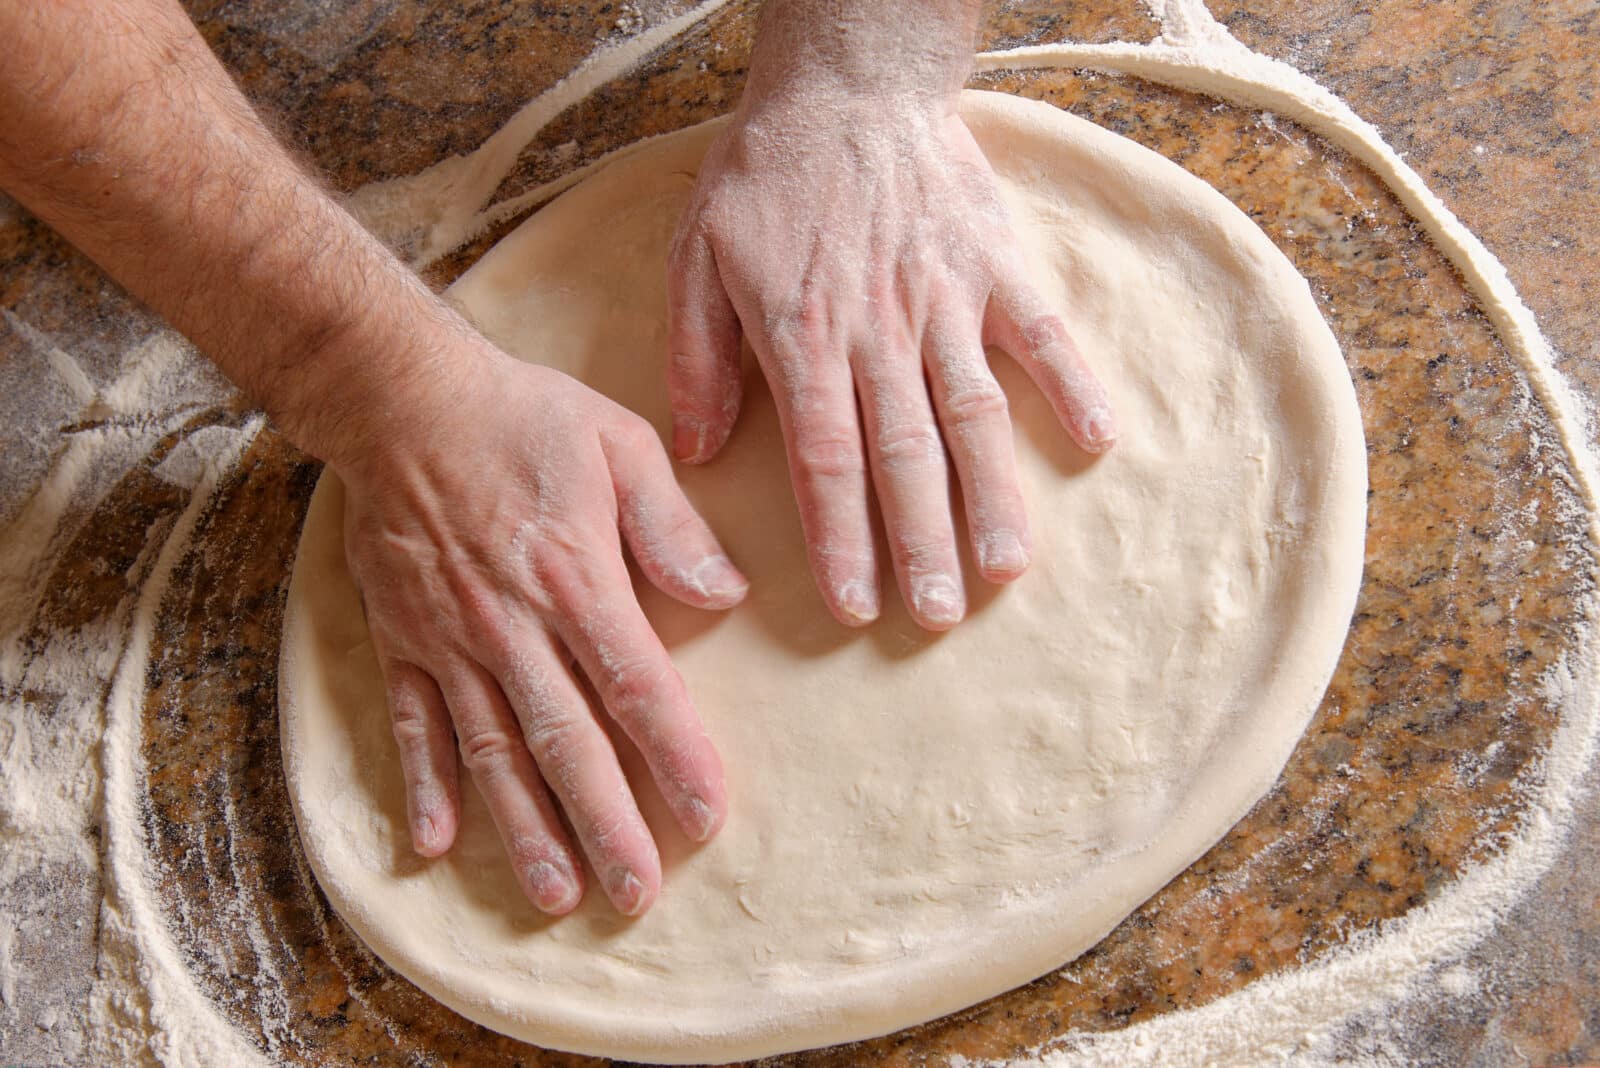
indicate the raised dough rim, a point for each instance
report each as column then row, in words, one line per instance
column 847, row 1010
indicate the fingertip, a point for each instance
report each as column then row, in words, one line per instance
column 691, row 775
column 725, row 584
column 632, row 892
column 714, row 584
column 1002, row 556
column 937, row 602
column 702, row 820
column 1098, row 431
column 855, row 603
column 433, row 827
column 554, row 886
column 731, row 599
column 703, row 412
column 689, row 439
column 426, row 838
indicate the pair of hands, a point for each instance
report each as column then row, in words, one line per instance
column 846, row 224
column 868, row 261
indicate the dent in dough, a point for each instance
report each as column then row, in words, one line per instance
column 918, row 822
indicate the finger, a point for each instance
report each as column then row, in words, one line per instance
column 625, row 661
column 672, row 543
column 827, row 464
column 421, row 723
column 497, row 758
column 913, row 483
column 578, row 762
column 977, row 429
column 703, row 372
column 1019, row 321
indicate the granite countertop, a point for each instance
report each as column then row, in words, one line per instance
column 1434, row 720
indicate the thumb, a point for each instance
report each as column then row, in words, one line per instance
column 1019, row 319
column 703, row 366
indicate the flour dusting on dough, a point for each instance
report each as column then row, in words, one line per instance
column 146, row 1006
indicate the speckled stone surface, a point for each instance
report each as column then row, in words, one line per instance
column 1432, row 725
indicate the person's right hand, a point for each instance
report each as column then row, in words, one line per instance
column 857, row 240
column 486, row 534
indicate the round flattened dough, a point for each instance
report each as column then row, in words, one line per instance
column 918, row 822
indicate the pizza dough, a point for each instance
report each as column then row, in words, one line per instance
column 918, row 822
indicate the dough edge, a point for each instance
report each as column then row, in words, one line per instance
column 871, row 1003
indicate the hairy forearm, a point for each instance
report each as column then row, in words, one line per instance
column 897, row 47
column 120, row 129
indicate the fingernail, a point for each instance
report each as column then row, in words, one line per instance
column 427, row 833
column 720, row 579
column 1002, row 551
column 937, row 600
column 553, row 890
column 627, row 891
column 702, row 819
column 858, row 601
column 1100, row 429
column 688, row 437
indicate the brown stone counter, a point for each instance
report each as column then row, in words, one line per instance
column 1420, row 754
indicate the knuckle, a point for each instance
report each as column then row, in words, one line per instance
column 526, row 849
column 923, row 552
column 414, row 721
column 678, row 528
column 552, row 739
column 839, row 555
column 1045, row 332
column 608, row 827
column 829, row 453
column 411, row 724
column 570, row 579
column 811, row 316
column 483, row 611
column 635, row 432
column 488, row 752
column 799, row 331
column 913, row 445
column 976, row 404
column 635, row 685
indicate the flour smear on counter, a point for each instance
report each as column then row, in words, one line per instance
column 80, row 769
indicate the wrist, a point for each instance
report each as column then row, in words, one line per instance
column 825, row 51
column 371, row 389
